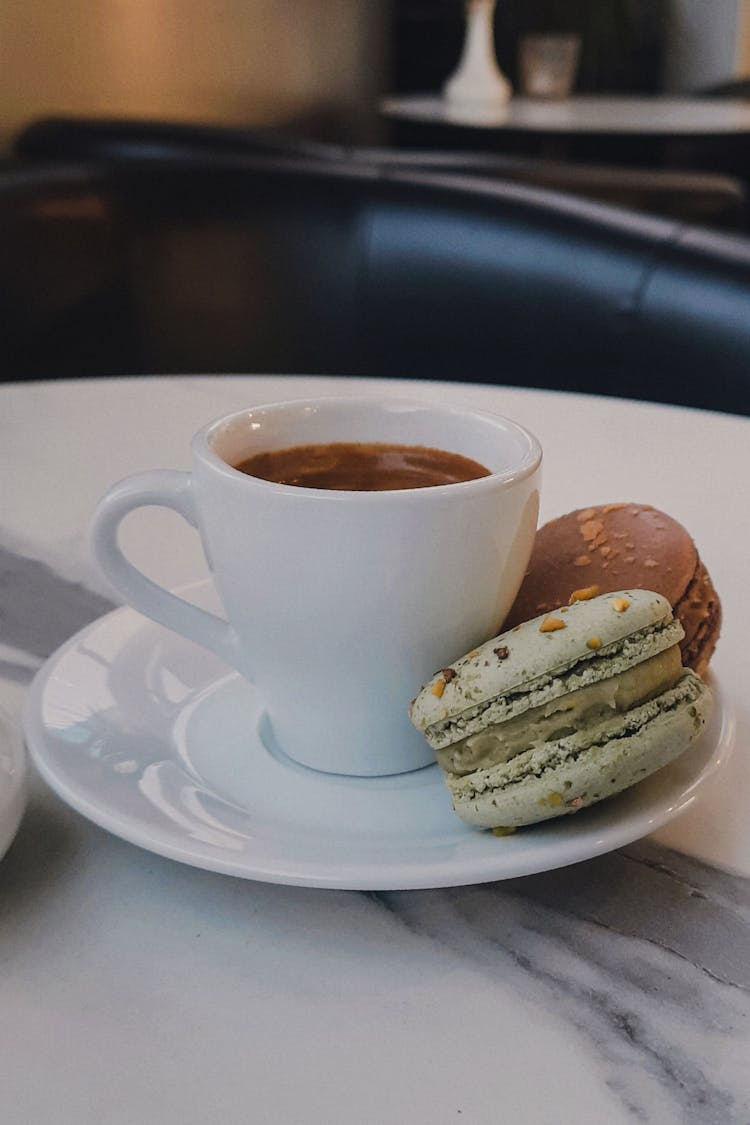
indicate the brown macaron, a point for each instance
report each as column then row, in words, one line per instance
column 622, row 546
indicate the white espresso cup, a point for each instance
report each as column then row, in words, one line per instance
column 340, row 604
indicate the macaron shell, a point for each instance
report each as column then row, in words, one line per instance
column 612, row 546
column 616, row 545
column 699, row 611
column 602, row 770
column 516, row 660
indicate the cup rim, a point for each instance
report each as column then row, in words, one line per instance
column 525, row 467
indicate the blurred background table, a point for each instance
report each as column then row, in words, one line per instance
column 671, row 117
column 630, row 129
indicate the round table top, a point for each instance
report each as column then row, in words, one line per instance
column 583, row 114
column 139, row 989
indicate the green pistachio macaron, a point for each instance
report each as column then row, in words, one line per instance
column 564, row 710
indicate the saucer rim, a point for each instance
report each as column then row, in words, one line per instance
column 364, row 876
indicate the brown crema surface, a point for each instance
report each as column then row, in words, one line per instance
column 619, row 547
column 362, row 466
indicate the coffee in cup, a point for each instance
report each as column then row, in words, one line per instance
column 362, row 466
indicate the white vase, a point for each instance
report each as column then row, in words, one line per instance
column 478, row 80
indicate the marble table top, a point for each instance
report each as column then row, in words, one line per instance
column 672, row 116
column 138, row 989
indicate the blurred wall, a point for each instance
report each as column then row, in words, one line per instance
column 702, row 43
column 240, row 61
column 742, row 56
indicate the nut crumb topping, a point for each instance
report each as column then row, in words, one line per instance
column 551, row 625
column 620, row 604
column 582, row 560
column 591, row 529
column 593, row 643
column 584, row 594
column 448, row 674
column 586, row 514
column 502, row 653
column 438, row 688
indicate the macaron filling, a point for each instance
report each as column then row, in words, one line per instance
column 591, row 668
column 619, row 751
column 562, row 716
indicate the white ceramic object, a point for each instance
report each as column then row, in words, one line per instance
column 478, row 80
column 12, row 781
column 154, row 739
column 341, row 604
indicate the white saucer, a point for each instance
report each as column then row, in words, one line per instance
column 155, row 740
column 13, row 772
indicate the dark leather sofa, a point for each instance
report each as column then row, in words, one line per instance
column 226, row 263
column 699, row 197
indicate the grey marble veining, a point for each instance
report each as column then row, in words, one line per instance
column 15, row 671
column 39, row 610
column 644, row 952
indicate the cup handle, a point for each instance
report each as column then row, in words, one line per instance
column 166, row 488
